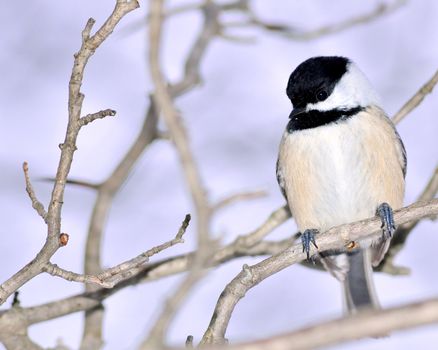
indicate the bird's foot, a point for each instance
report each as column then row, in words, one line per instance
column 384, row 211
column 308, row 237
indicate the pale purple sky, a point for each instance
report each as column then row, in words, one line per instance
column 235, row 120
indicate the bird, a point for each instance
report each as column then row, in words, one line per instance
column 341, row 160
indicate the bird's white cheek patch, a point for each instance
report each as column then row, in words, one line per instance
column 353, row 90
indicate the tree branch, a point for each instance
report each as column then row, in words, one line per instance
column 91, row 300
column 209, row 31
column 36, row 204
column 110, row 277
column 99, row 115
column 336, row 238
column 53, row 218
column 415, row 100
column 244, row 196
column 370, row 323
column 285, row 255
column 75, row 182
column 302, row 35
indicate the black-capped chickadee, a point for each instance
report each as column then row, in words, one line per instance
column 341, row 160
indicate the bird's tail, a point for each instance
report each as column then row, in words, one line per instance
column 358, row 285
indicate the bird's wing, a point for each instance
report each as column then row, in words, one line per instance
column 402, row 153
column 280, row 178
column 381, row 246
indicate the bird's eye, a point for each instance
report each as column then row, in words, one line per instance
column 321, row 95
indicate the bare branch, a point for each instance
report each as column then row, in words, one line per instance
column 431, row 188
column 19, row 342
column 296, row 34
column 182, row 9
column 36, row 204
column 53, row 218
column 183, row 227
column 244, row 196
column 210, row 29
column 76, row 182
column 335, row 238
column 155, row 339
column 238, row 38
column 244, row 245
column 55, row 270
column 364, row 324
column 167, row 267
column 249, row 240
column 415, row 100
column 371, row 323
column 285, row 255
column 110, row 277
column 99, row 115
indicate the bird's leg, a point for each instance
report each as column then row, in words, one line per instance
column 384, row 211
column 307, row 237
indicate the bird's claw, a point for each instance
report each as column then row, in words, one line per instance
column 307, row 237
column 384, row 211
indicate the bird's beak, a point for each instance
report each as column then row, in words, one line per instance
column 296, row 111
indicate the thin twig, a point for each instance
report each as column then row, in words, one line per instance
column 111, row 276
column 182, row 9
column 98, row 115
column 371, row 323
column 238, row 197
column 415, row 100
column 296, row 34
column 275, row 219
column 75, row 182
column 249, row 244
column 36, row 204
column 209, row 31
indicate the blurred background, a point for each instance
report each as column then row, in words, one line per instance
column 235, row 120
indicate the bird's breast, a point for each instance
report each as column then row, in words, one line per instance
column 341, row 172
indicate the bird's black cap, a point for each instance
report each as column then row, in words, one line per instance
column 317, row 75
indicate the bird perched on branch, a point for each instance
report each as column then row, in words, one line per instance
column 341, row 160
